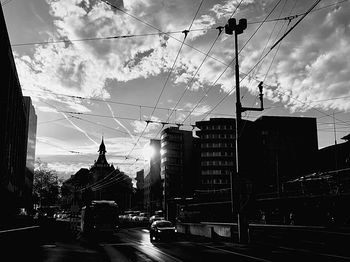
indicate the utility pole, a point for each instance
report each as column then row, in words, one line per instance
column 236, row 182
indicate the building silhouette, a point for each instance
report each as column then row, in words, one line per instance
column 335, row 157
column 101, row 182
column 273, row 150
column 13, row 135
column 178, row 168
column 287, row 149
column 31, row 144
column 218, row 156
column 140, row 187
column 153, row 192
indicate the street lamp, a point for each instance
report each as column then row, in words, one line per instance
column 236, row 196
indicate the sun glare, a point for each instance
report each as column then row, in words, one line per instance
column 148, row 152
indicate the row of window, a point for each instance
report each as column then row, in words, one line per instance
column 215, row 181
column 171, row 168
column 217, row 163
column 219, row 153
column 219, row 136
column 171, row 145
column 172, row 136
column 170, row 153
column 218, row 127
column 172, row 160
column 216, row 172
column 217, row 145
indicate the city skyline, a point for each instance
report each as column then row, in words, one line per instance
column 93, row 86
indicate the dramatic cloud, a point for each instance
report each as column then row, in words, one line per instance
column 123, row 49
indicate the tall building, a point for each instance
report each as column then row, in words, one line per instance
column 178, row 167
column 31, row 143
column 218, row 156
column 140, row 187
column 13, row 137
column 153, row 186
column 288, row 147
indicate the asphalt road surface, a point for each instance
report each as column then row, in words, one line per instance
column 134, row 244
column 54, row 243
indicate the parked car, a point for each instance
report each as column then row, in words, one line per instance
column 162, row 229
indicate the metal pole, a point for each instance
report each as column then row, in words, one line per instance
column 242, row 222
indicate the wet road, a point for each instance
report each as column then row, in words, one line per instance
column 54, row 242
column 134, row 245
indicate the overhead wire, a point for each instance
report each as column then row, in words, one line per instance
column 60, row 147
column 178, row 53
column 249, row 112
column 168, row 76
column 117, row 117
column 343, row 1
column 6, row 2
column 121, row 178
column 271, row 48
column 217, row 79
column 205, row 57
column 50, row 121
column 108, row 127
column 140, row 106
column 166, row 33
column 99, row 181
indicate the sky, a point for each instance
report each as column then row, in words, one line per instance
column 123, row 70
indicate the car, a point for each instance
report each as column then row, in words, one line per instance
column 162, row 229
column 155, row 218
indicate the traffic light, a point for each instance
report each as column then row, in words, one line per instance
column 230, row 26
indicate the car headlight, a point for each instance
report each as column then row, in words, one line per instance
column 175, row 230
column 159, row 231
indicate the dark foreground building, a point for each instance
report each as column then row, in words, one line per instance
column 273, row 150
column 102, row 181
column 13, row 137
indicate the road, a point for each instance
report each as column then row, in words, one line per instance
column 133, row 244
column 53, row 242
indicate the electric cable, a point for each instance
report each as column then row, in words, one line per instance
column 271, row 48
column 205, row 57
column 217, row 79
column 168, row 76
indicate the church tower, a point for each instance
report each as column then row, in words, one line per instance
column 102, row 161
column 101, row 168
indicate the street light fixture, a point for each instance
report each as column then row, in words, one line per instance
column 236, row 196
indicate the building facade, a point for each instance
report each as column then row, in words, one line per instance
column 31, row 144
column 288, row 148
column 178, row 167
column 153, row 192
column 13, row 137
column 140, row 187
column 218, row 156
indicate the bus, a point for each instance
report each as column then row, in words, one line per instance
column 101, row 216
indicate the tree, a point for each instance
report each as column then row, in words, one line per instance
column 45, row 185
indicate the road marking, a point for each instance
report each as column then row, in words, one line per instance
column 48, row 245
column 238, row 254
column 18, row 229
column 139, row 245
column 312, row 252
